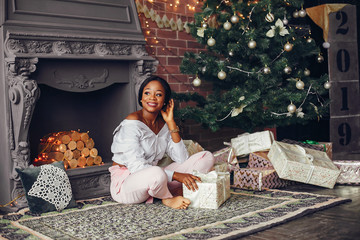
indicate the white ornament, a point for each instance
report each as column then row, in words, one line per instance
column 281, row 29
column 287, row 70
column 288, row 47
column 309, row 40
column 296, row 14
column 234, row 18
column 252, row 44
column 269, row 17
column 231, row 53
column 326, row 45
column 302, row 13
column 196, row 82
column 327, row 85
column 221, row 75
column 204, row 25
column 291, row 108
column 320, row 58
column 227, row 25
column 285, row 21
column 266, row 70
column 307, row 72
column 300, row 85
column 203, row 69
column 211, row 41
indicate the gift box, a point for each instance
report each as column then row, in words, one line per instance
column 247, row 143
column 214, row 190
column 349, row 172
column 258, row 179
column 293, row 162
column 221, row 167
column 259, row 160
column 226, row 155
column 320, row 146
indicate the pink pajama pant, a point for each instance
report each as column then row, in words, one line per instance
column 152, row 182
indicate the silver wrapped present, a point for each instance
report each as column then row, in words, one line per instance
column 247, row 143
column 214, row 190
column 349, row 172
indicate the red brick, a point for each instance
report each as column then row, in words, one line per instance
column 162, row 60
column 182, row 35
column 174, row 61
column 167, row 51
column 166, row 33
column 183, row 50
column 192, row 44
column 176, row 43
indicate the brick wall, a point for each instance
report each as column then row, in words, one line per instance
column 168, row 47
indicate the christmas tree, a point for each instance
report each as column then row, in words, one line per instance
column 261, row 60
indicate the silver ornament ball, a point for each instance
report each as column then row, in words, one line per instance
column 291, row 108
column 309, row 40
column 227, row 25
column 221, row 75
column 211, row 41
column 287, row 70
column 204, row 25
column 320, row 59
column 252, row 44
column 267, row 70
column 231, row 53
column 288, row 47
column 296, row 14
column 203, row 69
column 307, row 72
column 285, row 21
column 234, row 19
column 269, row 17
column 300, row 85
column 327, row 85
column 326, row 45
column 302, row 13
column 196, row 82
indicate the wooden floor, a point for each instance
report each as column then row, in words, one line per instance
column 339, row 222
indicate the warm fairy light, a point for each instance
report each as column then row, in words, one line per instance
column 170, row 4
column 148, row 32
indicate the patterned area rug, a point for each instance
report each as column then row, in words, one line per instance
column 246, row 212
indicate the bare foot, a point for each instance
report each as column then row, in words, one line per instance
column 178, row 202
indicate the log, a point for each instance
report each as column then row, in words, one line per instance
column 90, row 143
column 84, row 137
column 85, row 152
column 72, row 145
column 73, row 163
column 66, row 164
column 98, row 160
column 62, row 147
column 75, row 136
column 68, row 155
column 57, row 156
column 93, row 152
column 90, row 161
column 80, row 145
column 81, row 162
column 76, row 154
column 65, row 138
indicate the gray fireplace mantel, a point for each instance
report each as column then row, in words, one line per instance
column 37, row 31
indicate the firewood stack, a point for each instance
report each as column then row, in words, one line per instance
column 75, row 148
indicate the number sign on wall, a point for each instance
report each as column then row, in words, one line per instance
column 344, row 78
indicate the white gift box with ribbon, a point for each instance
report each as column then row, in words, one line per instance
column 293, row 162
column 247, row 143
column 214, row 190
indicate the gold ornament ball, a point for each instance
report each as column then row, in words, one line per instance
column 320, row 59
column 309, row 40
column 234, row 19
column 291, row 108
column 211, row 41
column 302, row 13
column 227, row 25
column 204, row 25
column 327, row 85
column 287, row 70
column 288, row 47
column 269, row 17
column 221, row 75
column 300, row 85
column 296, row 14
column 252, row 44
column 196, row 82
column 307, row 72
column 267, row 70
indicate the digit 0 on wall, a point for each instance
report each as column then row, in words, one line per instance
column 344, row 78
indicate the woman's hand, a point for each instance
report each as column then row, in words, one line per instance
column 168, row 114
column 188, row 179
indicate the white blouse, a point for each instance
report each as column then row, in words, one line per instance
column 137, row 147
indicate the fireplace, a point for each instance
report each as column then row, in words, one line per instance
column 66, row 65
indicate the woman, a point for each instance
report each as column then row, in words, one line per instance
column 141, row 140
